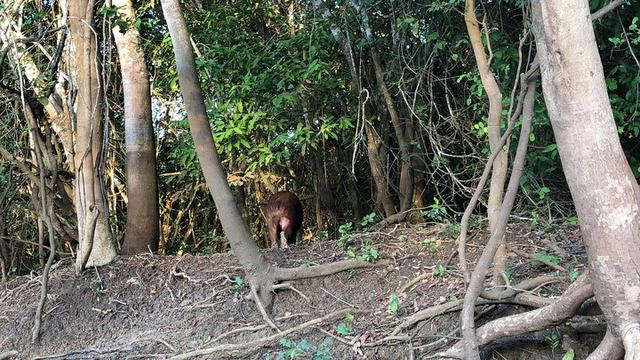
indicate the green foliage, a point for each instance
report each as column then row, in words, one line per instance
column 546, row 257
column 452, row 230
column 368, row 220
column 574, row 274
column 573, row 220
column 430, row 243
column 439, row 271
column 554, row 339
column 569, row 355
column 435, row 211
column 304, row 348
column 344, row 328
column 366, row 253
column 394, row 303
column 344, row 230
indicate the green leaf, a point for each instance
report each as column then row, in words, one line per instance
column 393, row 304
column 569, row 355
column 343, row 329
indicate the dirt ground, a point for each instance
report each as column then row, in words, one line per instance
column 155, row 307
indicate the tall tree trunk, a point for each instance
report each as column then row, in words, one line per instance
column 142, row 188
column 402, row 132
column 499, row 173
column 258, row 270
column 95, row 244
column 373, row 140
column 377, row 170
column 602, row 185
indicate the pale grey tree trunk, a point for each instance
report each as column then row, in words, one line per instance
column 602, row 185
column 94, row 234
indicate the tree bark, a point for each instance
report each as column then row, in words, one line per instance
column 403, row 133
column 499, row 173
column 602, row 186
column 259, row 272
column 95, row 244
column 142, row 188
column 377, row 170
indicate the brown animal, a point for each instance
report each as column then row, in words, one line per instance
column 284, row 219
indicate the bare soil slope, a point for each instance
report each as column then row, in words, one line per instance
column 161, row 306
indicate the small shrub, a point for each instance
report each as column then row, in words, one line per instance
column 436, row 211
column 430, row 243
column 439, row 271
column 452, row 230
column 394, row 303
column 368, row 220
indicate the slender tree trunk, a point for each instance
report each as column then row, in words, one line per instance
column 401, row 130
column 602, row 185
column 499, row 173
column 377, row 170
column 142, row 210
column 95, row 244
column 259, row 272
column 373, row 140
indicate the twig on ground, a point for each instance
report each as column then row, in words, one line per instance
column 415, row 280
column 251, row 328
column 248, row 347
column 337, row 298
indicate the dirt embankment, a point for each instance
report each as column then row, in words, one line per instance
column 161, row 306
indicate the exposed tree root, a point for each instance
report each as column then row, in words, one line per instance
column 560, row 310
column 509, row 293
column 499, row 293
column 297, row 273
column 248, row 347
column 263, row 312
column 610, row 348
column 475, row 284
column 250, row 328
column 264, row 284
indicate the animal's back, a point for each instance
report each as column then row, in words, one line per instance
column 284, row 213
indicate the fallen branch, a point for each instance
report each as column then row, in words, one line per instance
column 557, row 312
column 437, row 310
column 248, row 347
column 412, row 282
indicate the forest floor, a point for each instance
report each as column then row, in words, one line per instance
column 149, row 306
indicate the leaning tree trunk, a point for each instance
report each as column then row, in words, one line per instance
column 499, row 173
column 602, row 185
column 242, row 244
column 142, row 209
column 94, row 235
